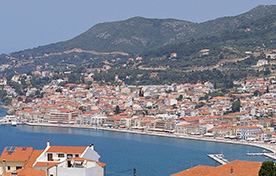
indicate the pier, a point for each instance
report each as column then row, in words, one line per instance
column 218, row 158
column 270, row 155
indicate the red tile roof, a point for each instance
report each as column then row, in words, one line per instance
column 28, row 172
column 237, row 168
column 20, row 154
column 46, row 164
column 33, row 158
column 66, row 149
column 196, row 171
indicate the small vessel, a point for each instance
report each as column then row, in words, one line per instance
column 14, row 123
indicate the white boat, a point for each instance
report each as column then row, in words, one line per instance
column 13, row 123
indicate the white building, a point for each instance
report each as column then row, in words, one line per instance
column 262, row 62
column 245, row 132
column 57, row 160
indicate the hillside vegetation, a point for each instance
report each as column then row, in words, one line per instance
column 214, row 50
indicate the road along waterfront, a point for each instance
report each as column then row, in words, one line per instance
column 267, row 146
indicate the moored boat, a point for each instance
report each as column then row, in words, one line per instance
column 13, row 123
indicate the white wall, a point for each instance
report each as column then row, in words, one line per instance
column 97, row 171
column 91, row 154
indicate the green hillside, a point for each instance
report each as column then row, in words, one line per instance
column 138, row 34
column 214, row 50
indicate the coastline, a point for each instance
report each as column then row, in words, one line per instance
column 266, row 146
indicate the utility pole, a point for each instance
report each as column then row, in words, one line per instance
column 134, row 172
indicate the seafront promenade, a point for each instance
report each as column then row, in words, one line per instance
column 269, row 147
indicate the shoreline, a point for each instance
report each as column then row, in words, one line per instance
column 266, row 146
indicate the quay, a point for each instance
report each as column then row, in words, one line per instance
column 218, row 158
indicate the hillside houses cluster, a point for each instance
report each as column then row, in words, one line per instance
column 183, row 109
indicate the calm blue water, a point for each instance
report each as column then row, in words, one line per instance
column 150, row 155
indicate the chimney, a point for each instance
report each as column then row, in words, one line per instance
column 48, row 143
column 4, row 166
column 91, row 146
column 232, row 170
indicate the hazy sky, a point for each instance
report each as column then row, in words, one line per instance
column 30, row 23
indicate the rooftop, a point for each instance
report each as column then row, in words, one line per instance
column 20, row 154
column 237, row 168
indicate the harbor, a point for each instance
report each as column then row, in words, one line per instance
column 176, row 153
column 10, row 120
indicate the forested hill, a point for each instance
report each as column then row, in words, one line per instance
column 214, row 50
column 138, row 34
column 257, row 35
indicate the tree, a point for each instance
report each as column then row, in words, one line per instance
column 7, row 100
column 236, row 105
column 141, row 93
column 199, row 105
column 267, row 71
column 257, row 93
column 59, row 90
column 3, row 93
column 28, row 99
column 180, row 98
column 174, row 106
column 117, row 110
column 221, row 56
column 82, row 108
column 267, row 169
column 267, row 89
column 20, row 99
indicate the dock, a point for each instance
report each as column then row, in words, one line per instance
column 270, row 155
column 255, row 154
column 218, row 158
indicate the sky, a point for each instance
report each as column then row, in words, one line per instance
column 26, row 24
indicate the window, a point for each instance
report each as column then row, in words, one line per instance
column 60, row 155
column 50, row 157
column 77, row 155
column 18, row 167
column 9, row 167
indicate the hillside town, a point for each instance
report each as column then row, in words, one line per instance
column 182, row 109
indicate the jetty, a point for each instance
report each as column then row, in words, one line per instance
column 270, row 155
column 218, row 158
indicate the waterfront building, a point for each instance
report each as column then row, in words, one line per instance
column 53, row 161
column 187, row 129
column 246, row 132
column 222, row 131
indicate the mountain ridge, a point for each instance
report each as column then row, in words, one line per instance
column 226, row 38
column 138, row 34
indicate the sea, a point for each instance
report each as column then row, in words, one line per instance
column 122, row 152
